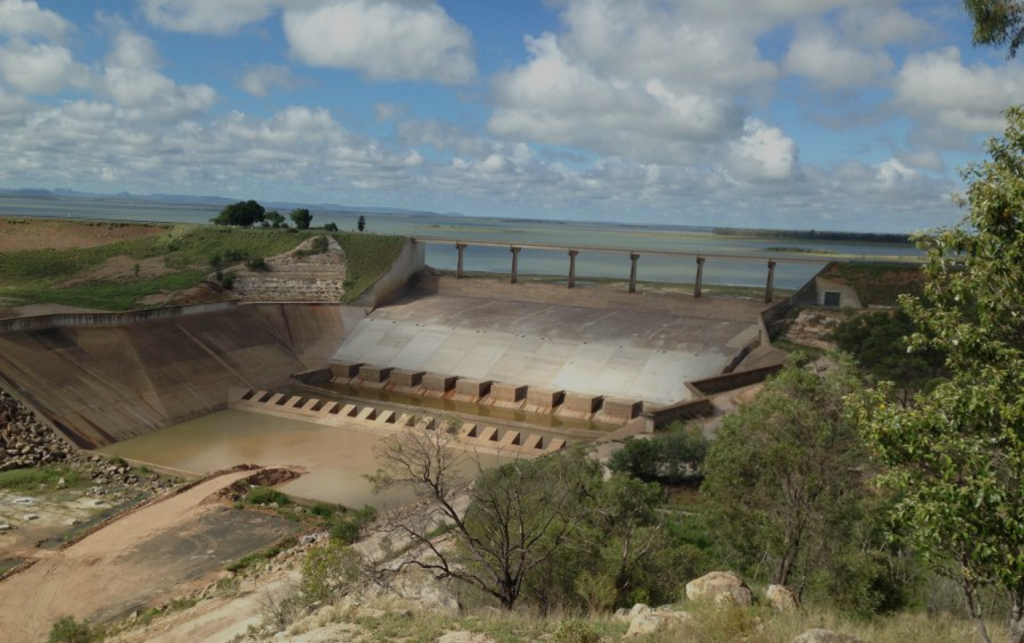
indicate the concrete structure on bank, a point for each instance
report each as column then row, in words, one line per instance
column 632, row 353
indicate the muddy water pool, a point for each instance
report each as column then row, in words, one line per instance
column 337, row 458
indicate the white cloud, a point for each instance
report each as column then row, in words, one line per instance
column 818, row 53
column 937, row 87
column 39, row 68
column 763, row 153
column 23, row 18
column 383, row 39
column 131, row 78
column 262, row 80
column 206, row 16
column 881, row 26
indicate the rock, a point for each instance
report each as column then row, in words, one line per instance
column 31, row 517
column 640, row 608
column 650, row 621
column 62, row 483
column 781, row 599
column 642, row 624
column 720, row 587
column 818, row 635
column 4, row 526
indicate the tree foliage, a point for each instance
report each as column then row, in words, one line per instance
column 243, row 213
column 519, row 514
column 361, row 223
column 956, row 456
column 302, row 218
column 786, row 474
column 997, row 22
column 878, row 342
column 670, row 458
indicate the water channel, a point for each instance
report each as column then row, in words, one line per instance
column 337, row 459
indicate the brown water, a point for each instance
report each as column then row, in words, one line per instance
column 338, row 459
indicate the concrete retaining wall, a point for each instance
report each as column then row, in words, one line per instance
column 67, row 320
column 106, row 378
column 389, row 286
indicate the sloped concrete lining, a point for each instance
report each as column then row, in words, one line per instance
column 101, row 383
column 624, row 353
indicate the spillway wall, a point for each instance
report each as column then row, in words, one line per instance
column 102, row 380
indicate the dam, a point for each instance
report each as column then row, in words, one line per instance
column 527, row 368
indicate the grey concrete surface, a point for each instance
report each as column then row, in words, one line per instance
column 626, row 353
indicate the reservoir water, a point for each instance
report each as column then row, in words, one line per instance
column 338, row 459
column 748, row 272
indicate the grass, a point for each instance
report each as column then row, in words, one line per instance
column 369, row 256
column 260, row 557
column 879, row 284
column 24, row 480
column 37, row 276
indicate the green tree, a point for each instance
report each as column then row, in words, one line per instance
column 520, row 514
column 786, row 471
column 361, row 224
column 673, row 457
column 956, row 456
column 331, row 227
column 997, row 22
column 274, row 218
column 302, row 218
column 243, row 213
column 878, row 341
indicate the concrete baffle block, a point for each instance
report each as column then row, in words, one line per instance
column 544, row 398
column 624, row 410
column 439, row 384
column 508, row 393
column 385, row 417
column 375, row 374
column 582, row 404
column 345, row 370
column 472, row 388
column 406, row 378
column 367, row 413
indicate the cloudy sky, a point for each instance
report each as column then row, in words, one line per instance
column 825, row 114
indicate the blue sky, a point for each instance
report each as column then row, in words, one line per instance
column 824, row 114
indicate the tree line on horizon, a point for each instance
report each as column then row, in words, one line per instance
column 246, row 214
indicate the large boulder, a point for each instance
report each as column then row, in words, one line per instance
column 781, row 599
column 649, row 621
column 720, row 587
column 819, row 635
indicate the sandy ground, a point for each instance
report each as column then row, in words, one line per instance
column 156, row 552
column 35, row 518
column 813, row 325
column 36, row 234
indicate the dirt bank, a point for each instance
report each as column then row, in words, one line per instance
column 37, row 234
column 150, row 554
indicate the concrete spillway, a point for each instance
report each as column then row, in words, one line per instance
column 100, row 384
column 632, row 353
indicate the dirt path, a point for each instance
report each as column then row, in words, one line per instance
column 135, row 560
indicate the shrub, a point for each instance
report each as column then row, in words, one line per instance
column 574, row 631
column 349, row 524
column 331, row 227
column 328, row 572
column 68, row 630
column 265, row 496
column 671, row 458
column 257, row 264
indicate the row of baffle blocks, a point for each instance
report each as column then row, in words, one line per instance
column 503, row 394
column 507, row 441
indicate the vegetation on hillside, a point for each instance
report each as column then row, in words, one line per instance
column 184, row 254
column 956, row 456
column 878, row 284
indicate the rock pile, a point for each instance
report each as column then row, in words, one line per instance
column 25, row 441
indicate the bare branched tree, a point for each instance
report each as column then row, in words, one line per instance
column 500, row 528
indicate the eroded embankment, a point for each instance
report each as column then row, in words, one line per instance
column 100, row 384
column 136, row 558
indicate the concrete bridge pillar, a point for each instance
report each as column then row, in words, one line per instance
column 770, row 285
column 572, row 267
column 461, row 247
column 632, row 271
column 700, row 278
column 515, row 263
